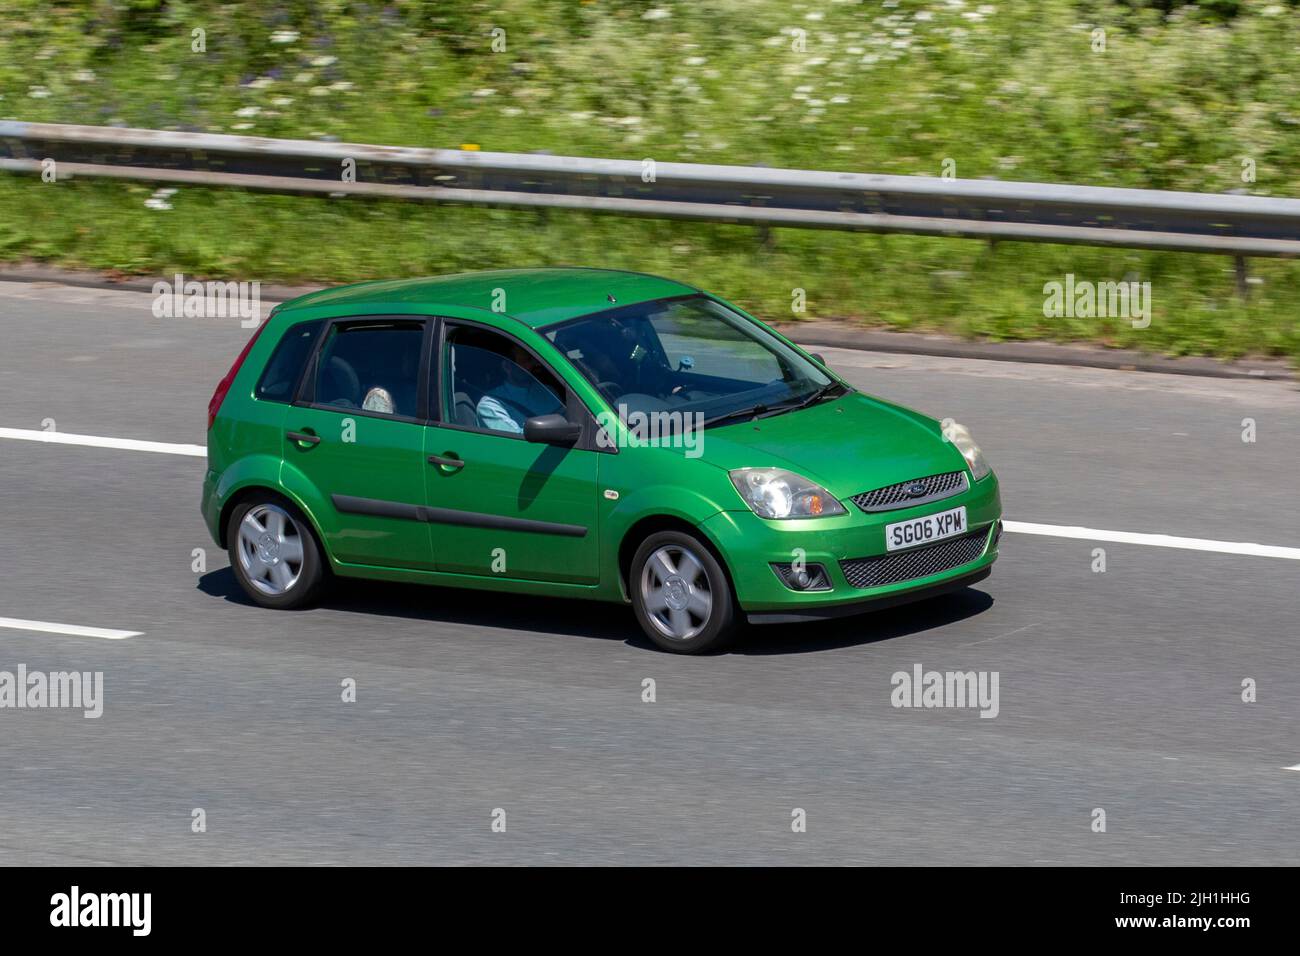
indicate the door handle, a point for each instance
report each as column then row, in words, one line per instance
column 446, row 462
column 303, row 438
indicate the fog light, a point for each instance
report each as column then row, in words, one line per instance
column 808, row 577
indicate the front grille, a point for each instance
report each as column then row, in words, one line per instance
column 898, row 496
column 917, row 563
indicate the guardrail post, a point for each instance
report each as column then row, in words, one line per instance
column 1243, row 277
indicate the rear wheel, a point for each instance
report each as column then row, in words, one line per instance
column 681, row 594
column 274, row 554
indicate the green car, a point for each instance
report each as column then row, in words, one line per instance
column 582, row 433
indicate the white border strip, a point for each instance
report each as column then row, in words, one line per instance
column 95, row 441
column 73, row 630
column 1154, row 540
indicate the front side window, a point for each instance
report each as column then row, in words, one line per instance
column 494, row 383
column 372, row 367
column 689, row 354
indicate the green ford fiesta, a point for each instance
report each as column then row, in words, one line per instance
column 582, row 433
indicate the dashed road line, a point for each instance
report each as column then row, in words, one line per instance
column 98, row 441
column 72, row 630
column 1154, row 540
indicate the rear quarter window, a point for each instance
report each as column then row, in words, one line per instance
column 280, row 378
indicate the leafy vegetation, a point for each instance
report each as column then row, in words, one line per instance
column 1181, row 97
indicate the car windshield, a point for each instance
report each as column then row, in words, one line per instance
column 692, row 355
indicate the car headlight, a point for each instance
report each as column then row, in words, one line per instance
column 776, row 493
column 960, row 436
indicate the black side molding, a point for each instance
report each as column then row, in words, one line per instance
column 377, row 507
column 474, row 519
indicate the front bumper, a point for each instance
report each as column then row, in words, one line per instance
column 800, row 615
column 752, row 545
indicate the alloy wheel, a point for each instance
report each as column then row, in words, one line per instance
column 675, row 592
column 270, row 549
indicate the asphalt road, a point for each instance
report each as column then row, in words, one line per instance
column 1118, row 690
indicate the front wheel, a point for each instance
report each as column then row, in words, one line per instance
column 681, row 595
column 274, row 554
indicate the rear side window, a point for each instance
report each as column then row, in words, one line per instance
column 283, row 370
column 374, row 367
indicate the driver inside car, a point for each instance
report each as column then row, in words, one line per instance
column 516, row 396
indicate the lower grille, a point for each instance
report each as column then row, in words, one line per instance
column 917, row 563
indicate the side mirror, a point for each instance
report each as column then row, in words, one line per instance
column 551, row 430
column 819, row 358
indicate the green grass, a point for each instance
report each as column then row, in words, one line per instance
column 1015, row 92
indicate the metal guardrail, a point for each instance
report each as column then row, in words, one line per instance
column 978, row 209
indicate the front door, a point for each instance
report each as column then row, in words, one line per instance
column 500, row 506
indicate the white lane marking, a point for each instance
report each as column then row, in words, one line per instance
column 97, row 441
column 73, row 630
column 1016, row 527
column 1154, row 540
column 1296, row 767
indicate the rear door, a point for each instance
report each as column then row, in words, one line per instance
column 355, row 440
column 501, row 506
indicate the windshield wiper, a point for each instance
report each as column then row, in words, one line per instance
column 795, row 404
column 815, row 397
column 760, row 410
column 752, row 411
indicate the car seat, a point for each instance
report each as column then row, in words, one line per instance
column 339, row 384
column 469, row 377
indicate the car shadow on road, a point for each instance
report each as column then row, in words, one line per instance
column 487, row 609
column 604, row 621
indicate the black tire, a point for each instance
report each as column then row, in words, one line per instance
column 704, row 632
column 257, row 575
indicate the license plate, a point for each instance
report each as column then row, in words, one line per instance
column 936, row 527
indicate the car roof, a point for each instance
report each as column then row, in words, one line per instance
column 536, row 297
